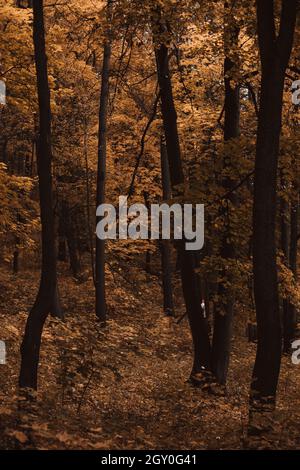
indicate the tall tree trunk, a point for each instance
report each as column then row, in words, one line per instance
column 15, row 263
column 4, row 144
column 291, row 314
column 47, row 297
column 284, row 239
column 62, row 251
column 101, row 175
column 275, row 52
column 165, row 244
column 70, row 234
column 88, row 198
column 223, row 314
column 190, row 282
column 148, row 252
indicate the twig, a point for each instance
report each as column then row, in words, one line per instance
column 253, row 97
column 181, row 318
column 141, row 153
column 85, row 390
column 237, row 186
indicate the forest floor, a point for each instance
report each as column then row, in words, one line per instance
column 125, row 386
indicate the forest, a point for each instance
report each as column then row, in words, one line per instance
column 149, row 225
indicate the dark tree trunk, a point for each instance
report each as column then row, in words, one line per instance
column 190, row 282
column 223, row 314
column 62, row 251
column 75, row 265
column 291, row 314
column 165, row 244
column 56, row 308
column 275, row 53
column 284, row 239
column 148, row 262
column 47, row 297
column 88, row 198
column 148, row 252
column 15, row 263
column 101, row 177
column 4, row 157
column 16, row 259
column 67, row 233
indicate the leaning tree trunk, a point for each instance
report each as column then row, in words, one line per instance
column 101, row 178
column 223, row 314
column 190, row 282
column 165, row 244
column 47, row 297
column 275, row 52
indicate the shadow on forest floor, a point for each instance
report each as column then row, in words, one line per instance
column 124, row 386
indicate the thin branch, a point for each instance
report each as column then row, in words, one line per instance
column 141, row 153
column 235, row 188
column 221, row 117
column 253, row 97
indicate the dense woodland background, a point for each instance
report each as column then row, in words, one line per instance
column 135, row 343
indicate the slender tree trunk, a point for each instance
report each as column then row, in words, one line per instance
column 165, row 244
column 62, row 248
column 223, row 314
column 275, row 52
column 4, row 144
column 148, row 252
column 88, row 198
column 47, row 297
column 15, row 263
column 291, row 314
column 67, row 231
column 190, row 282
column 70, row 234
column 62, row 251
column 101, row 177
column 284, row 239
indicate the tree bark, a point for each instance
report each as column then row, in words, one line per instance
column 275, row 52
column 101, row 176
column 223, row 314
column 47, row 298
column 190, row 282
column 165, row 244
column 291, row 313
column 284, row 238
column 70, row 237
